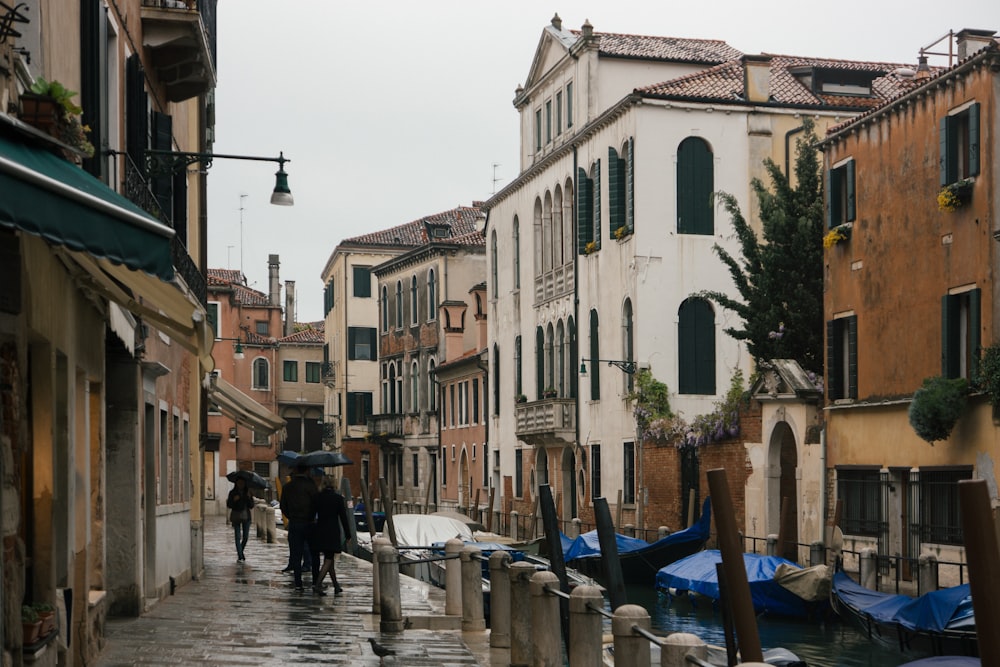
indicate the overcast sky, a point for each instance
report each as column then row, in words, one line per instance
column 393, row 110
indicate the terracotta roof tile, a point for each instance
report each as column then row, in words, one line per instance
column 673, row 49
column 225, row 277
column 725, row 83
column 305, row 336
column 460, row 222
column 250, row 297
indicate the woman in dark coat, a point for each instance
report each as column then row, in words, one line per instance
column 240, row 502
column 331, row 531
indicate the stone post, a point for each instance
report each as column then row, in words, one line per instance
column 515, row 529
column 631, row 648
column 927, row 565
column 772, row 545
column 271, row 525
column 545, row 623
column 678, row 646
column 377, row 544
column 453, row 577
column 817, row 553
column 585, row 649
column 868, row 568
column 520, row 619
column 472, row 590
column 499, row 600
column 389, row 594
column 575, row 532
column 662, row 532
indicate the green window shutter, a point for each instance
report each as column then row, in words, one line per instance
column 949, row 336
column 616, row 199
column 583, row 211
column 596, row 185
column 630, row 186
column 695, row 184
column 595, row 355
column 373, row 342
column 696, row 348
column 850, row 182
column 975, row 341
column 834, row 363
column 828, row 186
column 852, row 356
column 351, row 341
column 539, row 363
column 974, row 139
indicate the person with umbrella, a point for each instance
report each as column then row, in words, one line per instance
column 298, row 503
column 240, row 502
column 331, row 517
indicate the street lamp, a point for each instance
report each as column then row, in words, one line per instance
column 237, row 349
column 159, row 162
column 628, row 367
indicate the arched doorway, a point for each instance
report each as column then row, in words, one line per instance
column 783, row 490
column 569, row 490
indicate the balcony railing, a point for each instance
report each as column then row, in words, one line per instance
column 551, row 421
column 329, row 372
column 180, row 36
column 329, row 431
column 386, row 426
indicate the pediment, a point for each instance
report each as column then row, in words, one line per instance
column 785, row 379
column 552, row 48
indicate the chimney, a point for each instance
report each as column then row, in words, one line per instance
column 289, row 307
column 970, row 41
column 557, row 22
column 757, row 78
column 454, row 328
column 274, row 284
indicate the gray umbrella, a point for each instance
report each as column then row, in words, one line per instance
column 322, row 459
column 252, row 479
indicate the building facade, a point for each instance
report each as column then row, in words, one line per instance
column 888, row 174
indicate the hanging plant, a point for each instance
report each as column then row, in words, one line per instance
column 955, row 195
column 936, row 407
column 989, row 375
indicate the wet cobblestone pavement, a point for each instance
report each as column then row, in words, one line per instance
column 249, row 614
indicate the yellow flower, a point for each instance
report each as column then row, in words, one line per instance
column 947, row 201
column 833, row 237
column 590, row 247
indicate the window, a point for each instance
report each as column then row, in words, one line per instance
column 362, row 282
column 960, row 327
column 475, row 400
column 628, row 472
column 496, row 379
column 588, row 209
column 399, row 469
column 486, row 464
column 517, row 254
column 413, row 301
column 518, row 391
column 518, row 473
column 431, row 386
column 539, row 363
column 262, row 328
column 444, row 467
column 416, row 471
column 414, row 387
column 618, row 191
column 842, row 357
column 960, row 145
column 569, row 104
column 595, row 471
column 399, row 304
column 290, row 371
column 628, row 350
column 260, row 374
column 840, row 205
column 538, row 130
column 559, row 113
column 328, row 298
column 313, row 371
column 860, row 492
column 493, row 264
column 940, row 513
column 213, row 317
column 595, row 354
column 463, row 403
column 548, row 121
column 359, row 407
column 696, row 347
column 431, row 296
column 261, row 438
column 695, row 184
column 451, row 405
column 385, row 309
column 361, row 344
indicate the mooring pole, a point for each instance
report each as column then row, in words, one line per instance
column 983, row 553
column 609, row 554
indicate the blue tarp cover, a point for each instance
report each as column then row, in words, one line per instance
column 697, row 574
column 588, row 545
column 948, row 608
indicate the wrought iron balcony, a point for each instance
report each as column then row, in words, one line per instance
column 180, row 36
column 330, row 431
column 551, row 421
column 329, row 372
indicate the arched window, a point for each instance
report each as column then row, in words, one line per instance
column 493, row 265
column 558, row 244
column 560, row 360
column 261, row 374
column 399, row 304
column 573, row 359
column 595, row 354
column 567, row 216
column 695, row 184
column 399, row 389
column 547, row 234
column 550, row 365
column 518, row 389
column 538, row 237
column 391, row 406
column 413, row 300
column 432, row 394
column 432, row 304
column 496, row 379
column 414, row 387
column 628, row 351
column 385, row 309
column 517, row 253
column 539, row 363
column 696, row 347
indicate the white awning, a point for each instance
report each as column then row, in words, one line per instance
column 235, row 404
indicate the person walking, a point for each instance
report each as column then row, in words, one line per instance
column 240, row 502
column 331, row 518
column 298, row 503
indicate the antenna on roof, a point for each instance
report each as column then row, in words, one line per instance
column 242, row 197
column 495, row 179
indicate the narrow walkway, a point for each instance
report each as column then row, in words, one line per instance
column 249, row 614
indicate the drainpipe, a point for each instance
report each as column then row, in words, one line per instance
column 788, row 140
column 575, row 361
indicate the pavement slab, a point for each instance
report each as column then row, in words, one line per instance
column 248, row 613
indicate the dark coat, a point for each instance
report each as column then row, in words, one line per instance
column 298, row 499
column 245, row 501
column 331, row 516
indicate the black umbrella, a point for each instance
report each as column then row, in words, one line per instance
column 323, row 460
column 288, row 457
column 249, row 476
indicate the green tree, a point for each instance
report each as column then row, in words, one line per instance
column 780, row 278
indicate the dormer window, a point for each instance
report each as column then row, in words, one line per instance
column 438, row 231
column 834, row 81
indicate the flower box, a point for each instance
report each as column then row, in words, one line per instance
column 41, row 111
column 955, row 195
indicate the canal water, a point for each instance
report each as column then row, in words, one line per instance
column 830, row 643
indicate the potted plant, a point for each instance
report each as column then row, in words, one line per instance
column 520, row 398
column 49, row 106
column 936, row 407
column 549, row 393
column 31, row 625
column 955, row 195
column 590, row 248
column 47, row 615
column 622, row 232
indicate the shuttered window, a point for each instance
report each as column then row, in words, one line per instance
column 362, row 344
column 842, row 357
column 584, row 211
column 840, row 201
column 616, row 193
column 595, row 355
column 695, row 184
column 696, row 347
column 959, row 143
column 960, row 334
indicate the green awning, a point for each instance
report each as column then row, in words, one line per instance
column 43, row 194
